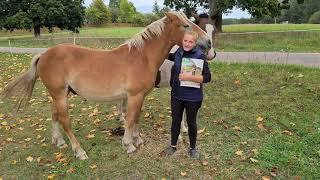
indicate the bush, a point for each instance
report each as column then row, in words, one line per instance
column 315, row 18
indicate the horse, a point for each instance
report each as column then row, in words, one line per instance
column 126, row 72
column 164, row 73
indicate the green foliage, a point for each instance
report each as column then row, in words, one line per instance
column 114, row 6
column 127, row 11
column 35, row 14
column 300, row 13
column 98, row 13
column 156, row 8
column 315, row 18
column 188, row 6
column 256, row 8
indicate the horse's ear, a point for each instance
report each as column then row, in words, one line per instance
column 170, row 16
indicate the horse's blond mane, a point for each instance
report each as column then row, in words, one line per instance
column 154, row 29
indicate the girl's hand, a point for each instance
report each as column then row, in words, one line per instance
column 184, row 77
column 189, row 77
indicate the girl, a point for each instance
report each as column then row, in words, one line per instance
column 182, row 97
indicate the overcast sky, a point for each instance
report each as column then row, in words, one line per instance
column 145, row 6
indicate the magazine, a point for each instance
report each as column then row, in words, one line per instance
column 193, row 67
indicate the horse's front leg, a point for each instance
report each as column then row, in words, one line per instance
column 122, row 109
column 131, row 134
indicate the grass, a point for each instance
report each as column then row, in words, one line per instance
column 108, row 37
column 238, row 28
column 270, row 42
column 256, row 121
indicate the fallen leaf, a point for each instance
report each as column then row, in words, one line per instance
column 71, row 170
column 201, row 130
column 29, row 158
column 58, row 156
column 239, row 153
column 237, row 128
column 259, row 119
column 261, row 127
column 237, row 82
column 205, row 163
column 266, row 178
column 146, row 115
column 4, row 123
column 93, row 166
column 27, row 139
column 286, row 132
column 183, row 173
column 51, row 176
column 90, row 136
column 255, row 151
column 300, row 75
column 13, row 162
column 253, row 160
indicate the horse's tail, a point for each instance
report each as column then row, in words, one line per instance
column 22, row 86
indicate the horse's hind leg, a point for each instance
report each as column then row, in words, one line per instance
column 57, row 138
column 63, row 116
column 122, row 109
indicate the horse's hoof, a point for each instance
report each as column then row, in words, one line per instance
column 83, row 157
column 138, row 142
column 62, row 144
column 131, row 149
column 184, row 130
column 81, row 154
column 59, row 142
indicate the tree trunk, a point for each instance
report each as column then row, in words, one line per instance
column 215, row 15
column 36, row 31
column 217, row 21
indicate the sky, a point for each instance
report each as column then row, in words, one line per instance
column 145, row 6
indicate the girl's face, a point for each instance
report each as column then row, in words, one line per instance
column 188, row 42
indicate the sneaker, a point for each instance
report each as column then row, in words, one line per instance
column 169, row 151
column 194, row 153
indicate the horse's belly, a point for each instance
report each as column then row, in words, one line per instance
column 99, row 92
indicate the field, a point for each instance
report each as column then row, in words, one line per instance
column 232, row 40
column 257, row 121
column 269, row 27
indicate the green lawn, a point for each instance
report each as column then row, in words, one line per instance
column 269, row 42
column 256, row 121
column 268, row 27
column 110, row 37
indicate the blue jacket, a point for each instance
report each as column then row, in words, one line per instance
column 187, row 93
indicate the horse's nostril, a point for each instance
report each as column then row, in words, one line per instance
column 209, row 42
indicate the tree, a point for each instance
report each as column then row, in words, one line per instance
column 315, row 18
column 256, row 8
column 156, row 8
column 35, row 14
column 127, row 11
column 300, row 13
column 114, row 6
column 98, row 13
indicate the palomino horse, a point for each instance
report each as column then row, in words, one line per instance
column 128, row 71
column 164, row 75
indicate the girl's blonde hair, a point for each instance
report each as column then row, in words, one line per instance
column 192, row 33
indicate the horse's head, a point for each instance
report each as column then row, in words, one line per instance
column 178, row 24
